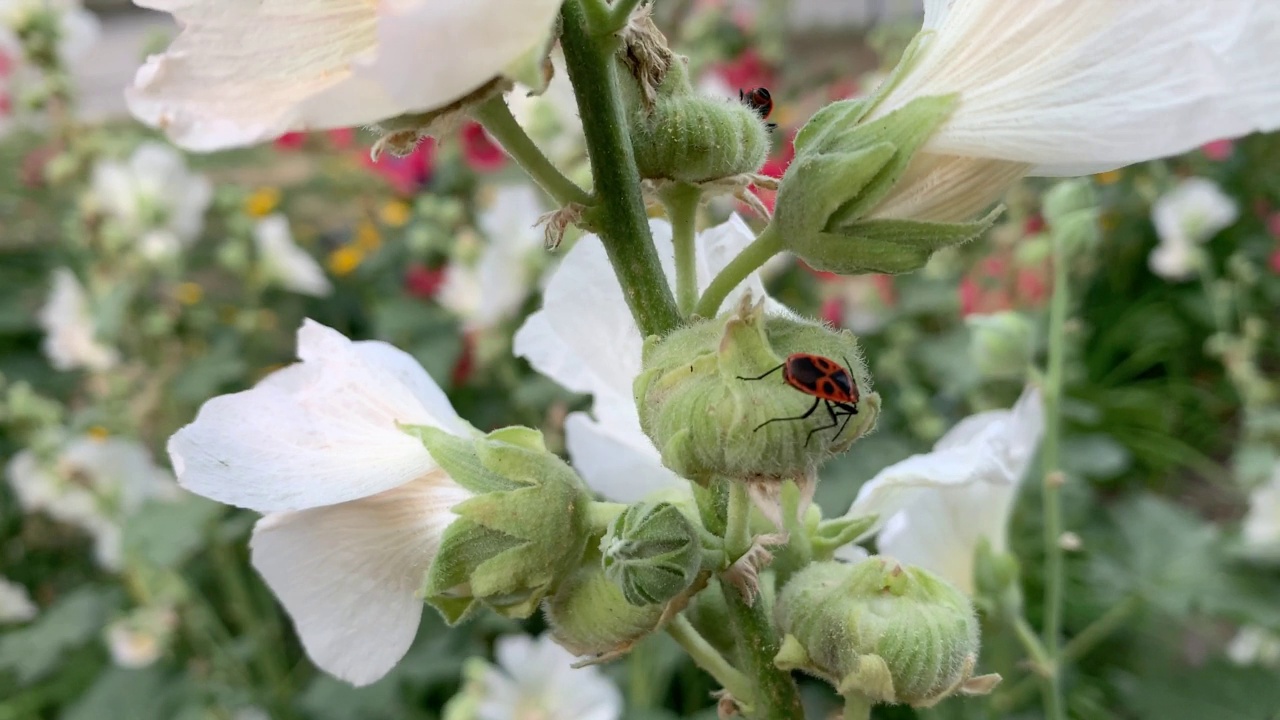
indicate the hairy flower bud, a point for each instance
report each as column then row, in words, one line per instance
column 1001, row 345
column 589, row 615
column 714, row 397
column 525, row 530
column 882, row 631
column 688, row 137
column 652, row 552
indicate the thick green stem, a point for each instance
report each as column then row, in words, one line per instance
column 501, row 124
column 1050, row 456
column 856, row 707
column 619, row 214
column 681, row 201
column 768, row 244
column 776, row 696
column 710, row 660
column 737, row 534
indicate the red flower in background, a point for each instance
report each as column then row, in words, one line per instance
column 423, row 282
column 406, row 174
column 481, row 153
column 1218, row 150
column 466, row 363
column 291, row 141
column 747, row 70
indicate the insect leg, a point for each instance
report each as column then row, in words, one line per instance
column 812, row 407
column 761, row 377
column 830, row 411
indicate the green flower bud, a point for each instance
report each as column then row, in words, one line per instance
column 713, row 398
column 525, row 530
column 1071, row 211
column 1001, row 345
column 882, row 631
column 652, row 552
column 589, row 615
column 687, row 137
column 995, row 577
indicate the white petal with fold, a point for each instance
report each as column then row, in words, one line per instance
column 348, row 574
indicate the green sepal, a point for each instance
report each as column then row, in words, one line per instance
column 817, row 186
column 889, row 246
column 830, row 117
column 833, row 534
column 464, row 547
column 457, row 457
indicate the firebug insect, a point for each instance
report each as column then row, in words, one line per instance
column 830, row 384
column 760, row 100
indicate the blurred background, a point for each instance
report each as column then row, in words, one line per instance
column 137, row 281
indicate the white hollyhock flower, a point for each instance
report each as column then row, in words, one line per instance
column 1185, row 217
column 585, row 339
column 15, row 603
column 355, row 506
column 94, row 484
column 1254, row 645
column 70, row 339
column 493, row 288
column 153, row 197
column 138, row 640
column 1072, row 88
column 284, row 261
column 535, row 678
column 935, row 508
column 1262, row 523
column 245, row 71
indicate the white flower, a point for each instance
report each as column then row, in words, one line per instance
column 15, row 603
column 78, row 29
column 285, row 262
column 355, row 506
column 153, row 197
column 94, row 484
column 535, row 679
column 492, row 289
column 1255, row 645
column 1072, row 88
column 70, row 339
column 1190, row 214
column 585, row 339
column 138, row 640
column 244, row 71
column 936, row 507
column 1262, row 523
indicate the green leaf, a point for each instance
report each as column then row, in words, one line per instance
column 125, row 695
column 33, row 651
column 166, row 534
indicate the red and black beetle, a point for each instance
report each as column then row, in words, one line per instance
column 829, row 382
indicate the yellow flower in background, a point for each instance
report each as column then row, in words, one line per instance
column 368, row 239
column 262, row 202
column 345, row 260
column 99, row 433
column 189, row 293
column 1110, row 177
column 395, row 213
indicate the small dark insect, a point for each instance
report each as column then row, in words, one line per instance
column 760, row 100
column 829, row 383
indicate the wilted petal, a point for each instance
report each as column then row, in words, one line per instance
column 936, row 507
column 244, row 71
column 1087, row 85
column 320, row 432
column 287, row 263
column 348, row 574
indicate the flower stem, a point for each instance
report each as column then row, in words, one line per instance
column 776, row 696
column 681, row 201
column 768, row 244
column 619, row 214
column 601, row 514
column 501, row 124
column 620, row 13
column 737, row 534
column 856, row 707
column 1050, row 458
column 710, row 659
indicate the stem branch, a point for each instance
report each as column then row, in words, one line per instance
column 768, row 244
column 501, row 124
column 710, row 659
column 619, row 214
column 776, row 696
column 681, row 202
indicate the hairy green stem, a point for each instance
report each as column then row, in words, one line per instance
column 619, row 214
column 601, row 514
column 768, row 244
column 616, row 18
column 681, row 201
column 1050, row 457
column 737, row 534
column 710, row 659
column 776, row 696
column 501, row 124
column 1042, row 664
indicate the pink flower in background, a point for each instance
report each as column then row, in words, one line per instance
column 406, row 174
column 423, row 282
column 1218, row 150
column 747, row 70
column 482, row 153
column 291, row 141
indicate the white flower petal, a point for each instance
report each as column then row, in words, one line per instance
column 936, row 507
column 535, row 678
column 15, row 602
column 616, row 463
column 941, row 188
column 320, row 432
column 1096, row 84
column 1262, row 523
column 244, row 71
column 349, row 574
column 289, row 264
column 70, row 333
